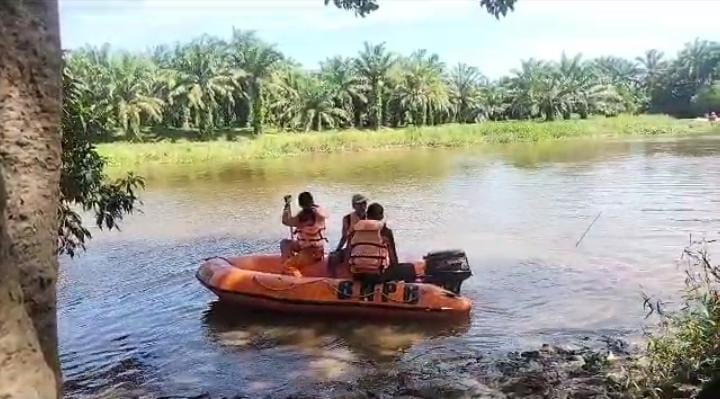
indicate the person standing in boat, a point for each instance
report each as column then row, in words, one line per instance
column 307, row 245
column 372, row 248
column 340, row 255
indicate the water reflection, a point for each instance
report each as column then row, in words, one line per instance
column 537, row 155
column 686, row 147
column 321, row 337
column 383, row 167
column 133, row 319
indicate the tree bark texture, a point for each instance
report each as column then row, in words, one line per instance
column 30, row 154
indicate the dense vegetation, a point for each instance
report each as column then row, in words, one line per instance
column 683, row 352
column 83, row 182
column 123, row 156
column 210, row 84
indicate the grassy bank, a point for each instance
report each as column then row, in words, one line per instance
column 126, row 155
column 683, row 349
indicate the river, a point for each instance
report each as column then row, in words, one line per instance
column 134, row 321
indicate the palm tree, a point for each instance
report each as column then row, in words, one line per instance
column 552, row 94
column 162, row 55
column 373, row 64
column 540, row 87
column 84, row 113
column 209, row 83
column 88, row 100
column 282, row 92
column 257, row 60
column 652, row 70
column 432, row 71
column 347, row 87
column 131, row 93
column 707, row 99
column 603, row 99
column 245, row 38
column 699, row 59
column 495, row 97
column 524, row 88
column 96, row 56
column 420, row 88
column 624, row 75
column 694, row 69
column 465, row 91
column 617, row 71
column 199, row 81
column 578, row 80
column 314, row 107
column 412, row 94
column 651, row 65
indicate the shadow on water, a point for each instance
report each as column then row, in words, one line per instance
column 368, row 341
column 588, row 151
column 690, row 147
column 537, row 155
column 382, row 167
column 124, row 378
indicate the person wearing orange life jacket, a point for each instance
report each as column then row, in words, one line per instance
column 307, row 245
column 372, row 248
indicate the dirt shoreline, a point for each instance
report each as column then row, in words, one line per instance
column 549, row 372
column 592, row 369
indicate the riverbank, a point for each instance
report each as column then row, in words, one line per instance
column 571, row 371
column 584, row 371
column 531, row 284
column 126, row 155
column 592, row 369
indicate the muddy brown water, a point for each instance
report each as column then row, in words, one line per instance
column 134, row 321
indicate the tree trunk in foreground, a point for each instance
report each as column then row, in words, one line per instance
column 30, row 149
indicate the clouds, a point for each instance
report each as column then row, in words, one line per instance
column 459, row 30
column 82, row 19
column 544, row 29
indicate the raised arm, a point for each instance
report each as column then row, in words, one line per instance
column 287, row 217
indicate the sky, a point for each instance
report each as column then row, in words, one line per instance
column 457, row 30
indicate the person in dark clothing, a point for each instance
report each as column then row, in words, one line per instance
column 341, row 253
column 359, row 204
column 395, row 271
column 376, row 212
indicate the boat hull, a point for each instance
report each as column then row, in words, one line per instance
column 240, row 282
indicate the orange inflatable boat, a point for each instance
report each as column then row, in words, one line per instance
column 433, row 290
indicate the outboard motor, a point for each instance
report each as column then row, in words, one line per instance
column 447, row 269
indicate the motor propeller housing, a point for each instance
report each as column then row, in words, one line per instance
column 447, row 269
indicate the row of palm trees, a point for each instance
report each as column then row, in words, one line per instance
column 209, row 84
